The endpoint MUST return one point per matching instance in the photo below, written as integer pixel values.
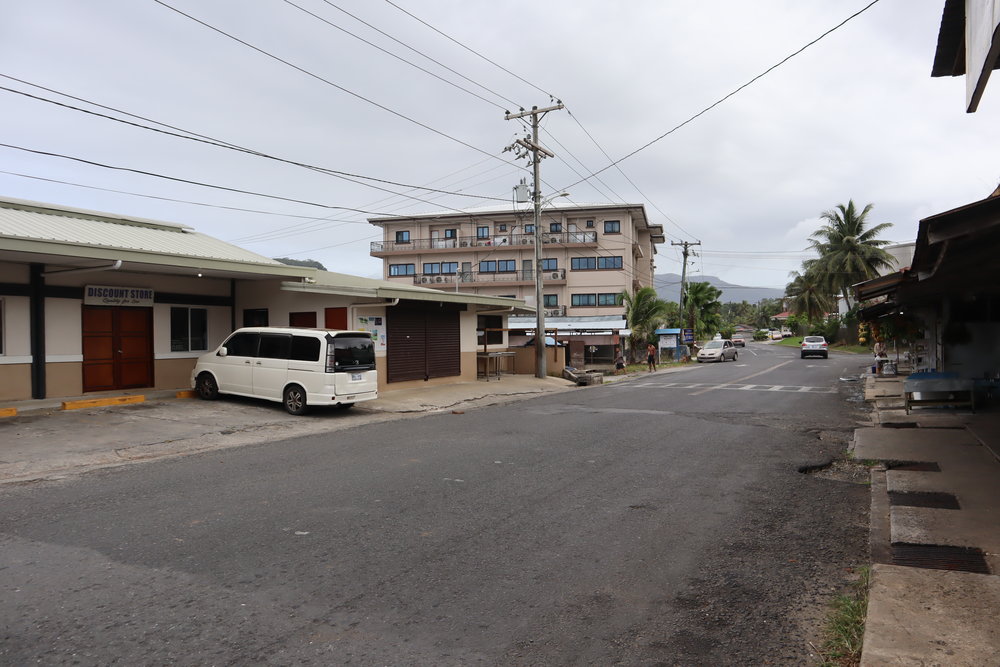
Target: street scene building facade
(591, 253)
(94, 302)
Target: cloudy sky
(401, 94)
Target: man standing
(651, 357)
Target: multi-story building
(591, 253)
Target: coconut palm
(810, 296)
(849, 251)
(644, 311)
(702, 308)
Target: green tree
(849, 250)
(644, 311)
(810, 296)
(702, 310)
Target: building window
(506, 266)
(555, 227)
(583, 263)
(188, 329)
(612, 227)
(482, 232)
(609, 262)
(402, 269)
(255, 317)
(583, 300)
(450, 233)
(550, 300)
(432, 268)
(485, 322)
(501, 228)
(449, 267)
(550, 264)
(402, 237)
(488, 266)
(609, 299)
(529, 229)
(590, 224)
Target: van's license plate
(355, 377)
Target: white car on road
(718, 350)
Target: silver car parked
(718, 350)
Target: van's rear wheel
(295, 400)
(207, 387)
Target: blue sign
(688, 336)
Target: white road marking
(740, 380)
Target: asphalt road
(662, 520)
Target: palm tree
(848, 252)
(702, 308)
(644, 310)
(810, 296)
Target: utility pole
(530, 145)
(684, 268)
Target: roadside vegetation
(844, 631)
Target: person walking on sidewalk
(651, 357)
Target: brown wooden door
(336, 318)
(117, 348)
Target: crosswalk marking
(738, 387)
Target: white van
(298, 367)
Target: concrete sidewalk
(935, 505)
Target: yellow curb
(185, 393)
(102, 402)
(8, 412)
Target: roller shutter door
(422, 343)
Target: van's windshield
(352, 353)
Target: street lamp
(540, 362)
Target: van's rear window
(353, 353)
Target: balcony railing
(472, 242)
(465, 277)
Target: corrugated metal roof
(43, 223)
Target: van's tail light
(331, 359)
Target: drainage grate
(916, 466)
(932, 499)
(936, 557)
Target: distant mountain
(668, 286)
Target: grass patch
(845, 627)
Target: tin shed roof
(33, 227)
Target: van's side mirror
(222, 352)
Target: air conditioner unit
(556, 276)
(439, 279)
(424, 279)
(525, 241)
(465, 244)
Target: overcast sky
(856, 115)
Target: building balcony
(467, 243)
(451, 280)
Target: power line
(420, 53)
(204, 139)
(470, 49)
(179, 201)
(734, 92)
(187, 181)
(389, 53)
(331, 83)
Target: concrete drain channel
(939, 557)
(931, 499)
